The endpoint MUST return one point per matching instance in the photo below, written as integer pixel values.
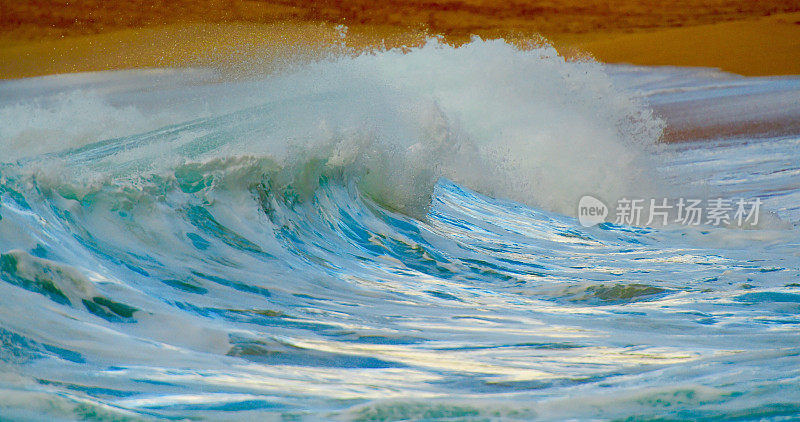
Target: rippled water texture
(389, 237)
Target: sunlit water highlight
(386, 237)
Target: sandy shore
(762, 46)
(177, 45)
(40, 37)
(751, 47)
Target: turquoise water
(388, 237)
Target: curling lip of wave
(506, 122)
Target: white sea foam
(525, 125)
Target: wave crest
(525, 125)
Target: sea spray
(521, 124)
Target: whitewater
(393, 235)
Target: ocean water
(393, 236)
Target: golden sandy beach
(48, 36)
